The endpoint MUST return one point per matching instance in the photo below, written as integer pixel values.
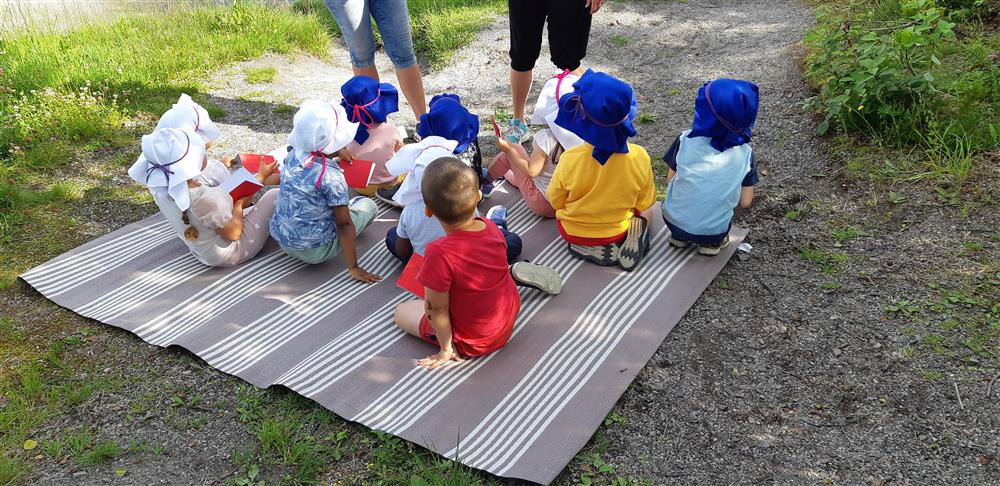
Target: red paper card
(358, 172)
(241, 184)
(252, 162)
(408, 279)
(496, 128)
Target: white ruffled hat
(547, 108)
(190, 115)
(170, 157)
(412, 159)
(320, 126)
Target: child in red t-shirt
(471, 295)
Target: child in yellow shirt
(601, 189)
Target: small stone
(837, 352)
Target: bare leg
(408, 316)
(520, 85)
(412, 84)
(370, 71)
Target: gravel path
(770, 378)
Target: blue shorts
(703, 240)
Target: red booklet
(496, 128)
(241, 183)
(408, 280)
(252, 162)
(358, 172)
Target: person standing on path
(393, 21)
(569, 31)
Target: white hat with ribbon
(170, 157)
(192, 116)
(411, 160)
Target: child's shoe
(487, 186)
(517, 132)
(498, 214)
(712, 250)
(678, 243)
(636, 244)
(537, 277)
(605, 255)
(385, 195)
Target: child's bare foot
(228, 162)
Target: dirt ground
(792, 368)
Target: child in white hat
(191, 116)
(532, 174)
(219, 232)
(315, 219)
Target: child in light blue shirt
(711, 167)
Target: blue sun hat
(447, 118)
(600, 111)
(368, 102)
(725, 111)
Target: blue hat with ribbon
(368, 102)
(600, 111)
(447, 118)
(725, 111)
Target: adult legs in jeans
(534, 198)
(393, 20)
(256, 223)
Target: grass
(259, 75)
(439, 27)
(939, 136)
(620, 40)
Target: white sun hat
(190, 115)
(411, 160)
(547, 108)
(320, 126)
(170, 157)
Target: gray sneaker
(385, 195)
(636, 244)
(605, 256)
(712, 250)
(537, 277)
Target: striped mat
(522, 412)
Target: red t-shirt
(471, 266)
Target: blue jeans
(703, 240)
(354, 17)
(513, 243)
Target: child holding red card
(315, 219)
(219, 232)
(471, 300)
(369, 103)
(532, 174)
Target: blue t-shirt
(415, 226)
(707, 185)
(303, 218)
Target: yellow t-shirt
(597, 201)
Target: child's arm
(347, 234)
(532, 166)
(233, 230)
(556, 193)
(749, 181)
(436, 308)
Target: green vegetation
(918, 78)
(259, 75)
(620, 40)
(439, 27)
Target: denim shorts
(354, 17)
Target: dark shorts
(569, 31)
(704, 240)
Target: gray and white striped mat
(522, 412)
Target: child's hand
(503, 145)
(266, 170)
(440, 359)
(345, 155)
(244, 202)
(228, 162)
(362, 275)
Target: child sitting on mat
(531, 175)
(602, 190)
(416, 228)
(314, 219)
(368, 103)
(219, 232)
(471, 298)
(712, 168)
